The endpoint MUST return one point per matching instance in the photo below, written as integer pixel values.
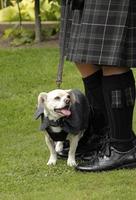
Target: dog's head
(55, 104)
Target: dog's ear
(41, 104)
(72, 96)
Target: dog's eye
(57, 98)
(68, 96)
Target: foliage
(18, 36)
(10, 13)
(24, 175)
(49, 32)
(50, 10)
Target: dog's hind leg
(74, 139)
(53, 155)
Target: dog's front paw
(71, 162)
(52, 161)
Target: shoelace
(104, 148)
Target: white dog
(64, 115)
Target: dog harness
(46, 125)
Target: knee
(112, 70)
(87, 69)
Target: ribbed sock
(119, 94)
(94, 93)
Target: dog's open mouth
(64, 111)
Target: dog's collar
(46, 122)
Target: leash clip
(58, 83)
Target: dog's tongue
(66, 112)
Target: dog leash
(62, 49)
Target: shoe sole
(78, 157)
(128, 166)
(124, 166)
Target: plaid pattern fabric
(103, 33)
(119, 98)
(116, 97)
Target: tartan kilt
(103, 33)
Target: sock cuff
(119, 80)
(93, 80)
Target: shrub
(9, 14)
(50, 10)
(18, 36)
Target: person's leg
(87, 69)
(108, 71)
(92, 80)
(119, 95)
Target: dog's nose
(67, 100)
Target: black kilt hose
(102, 33)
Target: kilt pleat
(103, 33)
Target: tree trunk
(19, 13)
(38, 35)
(1, 4)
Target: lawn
(24, 73)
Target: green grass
(24, 73)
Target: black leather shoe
(64, 153)
(111, 159)
(81, 150)
(87, 146)
(84, 147)
(91, 154)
